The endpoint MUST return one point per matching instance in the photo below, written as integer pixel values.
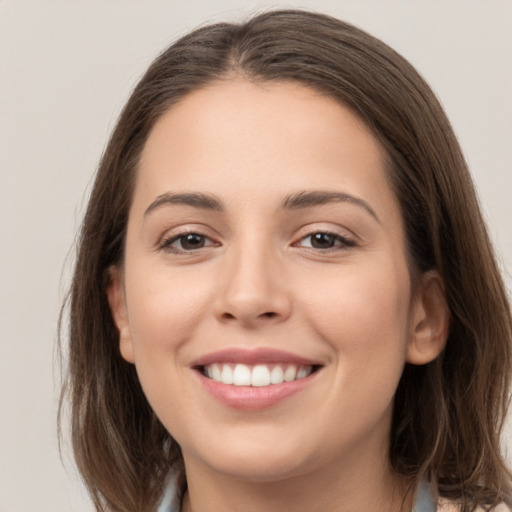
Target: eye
(324, 240)
(186, 242)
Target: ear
(430, 320)
(116, 300)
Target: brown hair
(448, 414)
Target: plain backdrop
(67, 67)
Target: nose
(253, 289)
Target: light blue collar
(170, 501)
(423, 501)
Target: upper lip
(252, 357)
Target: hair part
(448, 414)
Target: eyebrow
(308, 199)
(195, 199)
(298, 201)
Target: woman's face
(266, 246)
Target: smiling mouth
(257, 375)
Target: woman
(285, 297)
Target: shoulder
(449, 506)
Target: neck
(357, 484)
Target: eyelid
(173, 235)
(329, 228)
(176, 238)
(344, 241)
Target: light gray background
(66, 68)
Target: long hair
(448, 414)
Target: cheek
(364, 313)
(164, 308)
(363, 316)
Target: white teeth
(277, 375)
(290, 373)
(216, 372)
(241, 375)
(226, 376)
(302, 372)
(259, 375)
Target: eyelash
(340, 243)
(344, 243)
(166, 244)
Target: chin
(257, 459)
(261, 469)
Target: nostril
(269, 314)
(228, 316)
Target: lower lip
(251, 398)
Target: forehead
(239, 103)
(262, 137)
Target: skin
(258, 281)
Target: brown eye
(187, 242)
(324, 241)
(192, 241)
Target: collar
(424, 502)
